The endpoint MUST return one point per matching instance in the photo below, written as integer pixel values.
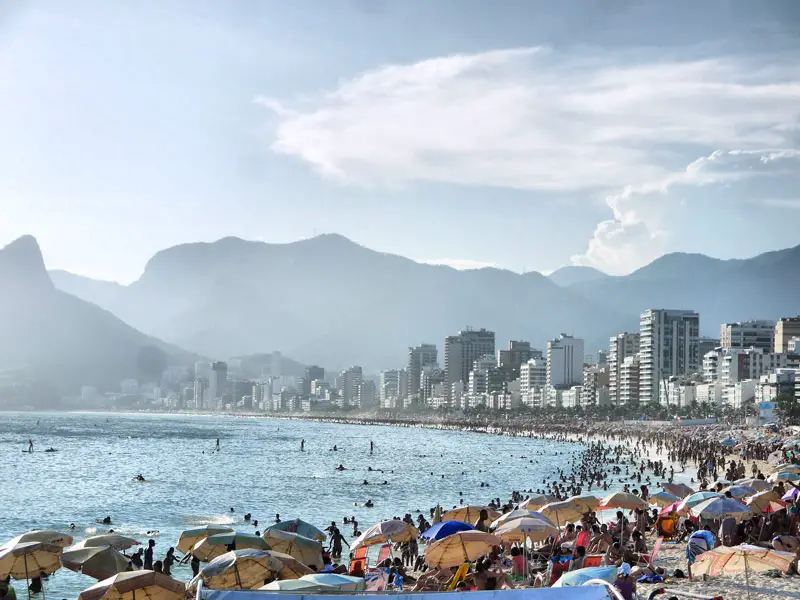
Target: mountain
(329, 301)
(53, 343)
(766, 286)
(96, 291)
(567, 276)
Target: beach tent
(248, 569)
(146, 585)
(100, 562)
(581, 576)
(190, 537)
(444, 529)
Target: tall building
(200, 393)
(485, 376)
(460, 353)
(736, 364)
(602, 357)
(668, 346)
(629, 380)
(786, 329)
(348, 383)
(621, 347)
(532, 375)
(564, 361)
(595, 385)
(419, 357)
(217, 380)
(314, 372)
(513, 357)
(392, 385)
(431, 377)
(748, 334)
(366, 395)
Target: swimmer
(340, 468)
(140, 477)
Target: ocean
(259, 469)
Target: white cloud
(644, 215)
(462, 264)
(531, 119)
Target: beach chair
(650, 559)
(593, 560)
(582, 539)
(384, 552)
(460, 575)
(358, 566)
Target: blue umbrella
(445, 528)
(729, 442)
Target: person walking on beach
(148, 555)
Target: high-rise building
(532, 376)
(314, 372)
(393, 385)
(621, 347)
(629, 380)
(419, 357)
(202, 368)
(736, 364)
(348, 385)
(668, 346)
(513, 357)
(748, 334)
(201, 393)
(595, 385)
(367, 396)
(431, 377)
(460, 353)
(564, 362)
(217, 380)
(602, 357)
(786, 329)
(485, 376)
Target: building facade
(564, 362)
(419, 357)
(668, 346)
(748, 334)
(786, 329)
(621, 347)
(460, 353)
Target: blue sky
(523, 134)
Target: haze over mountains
(54, 342)
(329, 301)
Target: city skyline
(529, 138)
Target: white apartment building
(419, 357)
(737, 394)
(393, 384)
(595, 385)
(669, 346)
(572, 397)
(678, 392)
(621, 347)
(748, 334)
(460, 353)
(710, 393)
(564, 362)
(629, 381)
(533, 374)
(711, 365)
(431, 376)
(348, 384)
(751, 363)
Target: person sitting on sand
(786, 543)
(601, 540)
(579, 559)
(613, 557)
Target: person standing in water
(217, 448)
(371, 446)
(30, 445)
(302, 445)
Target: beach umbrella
(27, 560)
(696, 498)
(739, 491)
(216, 545)
(470, 514)
(562, 512)
(537, 501)
(519, 514)
(100, 562)
(190, 537)
(717, 509)
(301, 527)
(343, 583)
(734, 560)
(663, 499)
(788, 467)
(760, 502)
(729, 442)
(581, 576)
(679, 489)
(393, 530)
(306, 550)
(144, 585)
(118, 542)
(249, 569)
(297, 585)
(791, 495)
(444, 529)
(783, 476)
(45, 536)
(526, 528)
(670, 508)
(585, 502)
(459, 548)
(622, 500)
(758, 485)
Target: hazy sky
(520, 133)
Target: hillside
(567, 276)
(57, 342)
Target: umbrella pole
(236, 572)
(746, 575)
(27, 583)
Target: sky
(522, 134)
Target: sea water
(259, 469)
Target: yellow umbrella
(45, 536)
(526, 528)
(622, 500)
(306, 550)
(537, 501)
(562, 512)
(190, 537)
(144, 585)
(461, 547)
(100, 562)
(217, 545)
(380, 533)
(118, 542)
(735, 560)
(25, 560)
(470, 514)
(761, 501)
(249, 569)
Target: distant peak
(22, 265)
(572, 274)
